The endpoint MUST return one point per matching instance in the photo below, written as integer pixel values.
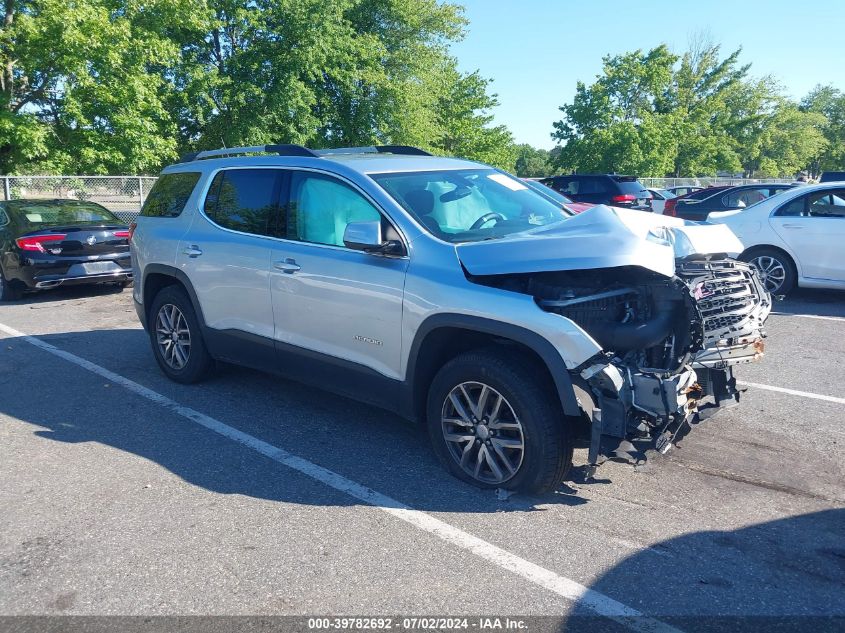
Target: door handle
(288, 266)
(192, 251)
(793, 226)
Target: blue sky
(536, 50)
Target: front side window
(322, 206)
(470, 204)
(169, 195)
(246, 200)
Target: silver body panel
(368, 309)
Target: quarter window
(322, 206)
(246, 200)
(170, 194)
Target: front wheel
(494, 422)
(176, 338)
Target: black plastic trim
(181, 277)
(407, 150)
(541, 346)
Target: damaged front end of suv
(671, 312)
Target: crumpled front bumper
(634, 411)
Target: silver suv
(452, 294)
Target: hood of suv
(600, 237)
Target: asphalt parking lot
(125, 494)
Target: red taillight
(669, 207)
(125, 234)
(625, 197)
(131, 230)
(36, 242)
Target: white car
(659, 198)
(794, 237)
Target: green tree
(80, 91)
(616, 123)
(830, 103)
(116, 86)
(657, 114)
(532, 162)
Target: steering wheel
(484, 219)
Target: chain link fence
(122, 195)
(706, 181)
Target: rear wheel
(176, 338)
(8, 290)
(774, 268)
(494, 422)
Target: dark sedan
(48, 243)
(728, 199)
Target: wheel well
(748, 253)
(445, 343)
(153, 284)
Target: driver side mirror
(367, 237)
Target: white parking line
(793, 392)
(564, 587)
(809, 316)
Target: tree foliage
(829, 102)
(123, 86)
(532, 162)
(655, 113)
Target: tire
(181, 363)
(128, 283)
(775, 268)
(526, 401)
(8, 290)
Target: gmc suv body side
(450, 293)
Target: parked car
(659, 198)
(731, 198)
(684, 190)
(832, 176)
(50, 243)
(558, 198)
(794, 238)
(701, 194)
(450, 293)
(609, 189)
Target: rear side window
(170, 194)
(246, 200)
(631, 186)
(745, 197)
(4, 219)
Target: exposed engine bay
(669, 345)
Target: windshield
(469, 205)
(54, 213)
(548, 192)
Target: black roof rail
(280, 150)
(406, 150)
(299, 150)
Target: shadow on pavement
(783, 575)
(813, 302)
(365, 444)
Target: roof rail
(406, 150)
(281, 150)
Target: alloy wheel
(482, 432)
(772, 272)
(173, 336)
